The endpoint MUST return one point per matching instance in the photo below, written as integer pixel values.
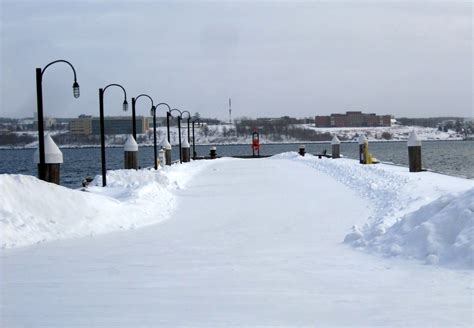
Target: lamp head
(75, 90)
(152, 110)
(125, 105)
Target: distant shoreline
(230, 144)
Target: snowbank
(33, 211)
(425, 216)
(440, 232)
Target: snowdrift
(424, 216)
(33, 211)
(440, 232)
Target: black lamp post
(189, 119)
(196, 120)
(168, 115)
(134, 121)
(102, 126)
(153, 113)
(134, 100)
(179, 130)
(39, 98)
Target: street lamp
(134, 121)
(102, 126)
(179, 130)
(196, 120)
(189, 118)
(39, 98)
(153, 113)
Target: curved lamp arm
(164, 104)
(75, 85)
(145, 95)
(61, 61)
(189, 114)
(152, 109)
(175, 109)
(125, 103)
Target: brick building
(352, 119)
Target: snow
(165, 144)
(255, 242)
(214, 135)
(185, 143)
(441, 232)
(415, 215)
(33, 211)
(413, 140)
(335, 141)
(397, 132)
(52, 154)
(130, 144)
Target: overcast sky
(406, 58)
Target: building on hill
(353, 119)
(87, 125)
(81, 125)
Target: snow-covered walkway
(251, 243)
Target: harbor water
(448, 157)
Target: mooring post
(53, 158)
(302, 150)
(161, 158)
(213, 152)
(362, 144)
(167, 147)
(130, 151)
(186, 150)
(414, 152)
(336, 147)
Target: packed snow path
(251, 243)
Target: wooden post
(130, 153)
(167, 147)
(213, 152)
(185, 149)
(53, 158)
(414, 152)
(336, 147)
(302, 150)
(362, 145)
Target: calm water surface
(450, 157)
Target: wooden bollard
(53, 158)
(167, 147)
(362, 145)
(161, 157)
(213, 152)
(130, 151)
(336, 147)
(414, 152)
(302, 150)
(185, 151)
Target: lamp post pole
(194, 139)
(134, 126)
(134, 118)
(154, 127)
(134, 122)
(39, 99)
(102, 126)
(189, 118)
(179, 116)
(168, 115)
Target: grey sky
(407, 58)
